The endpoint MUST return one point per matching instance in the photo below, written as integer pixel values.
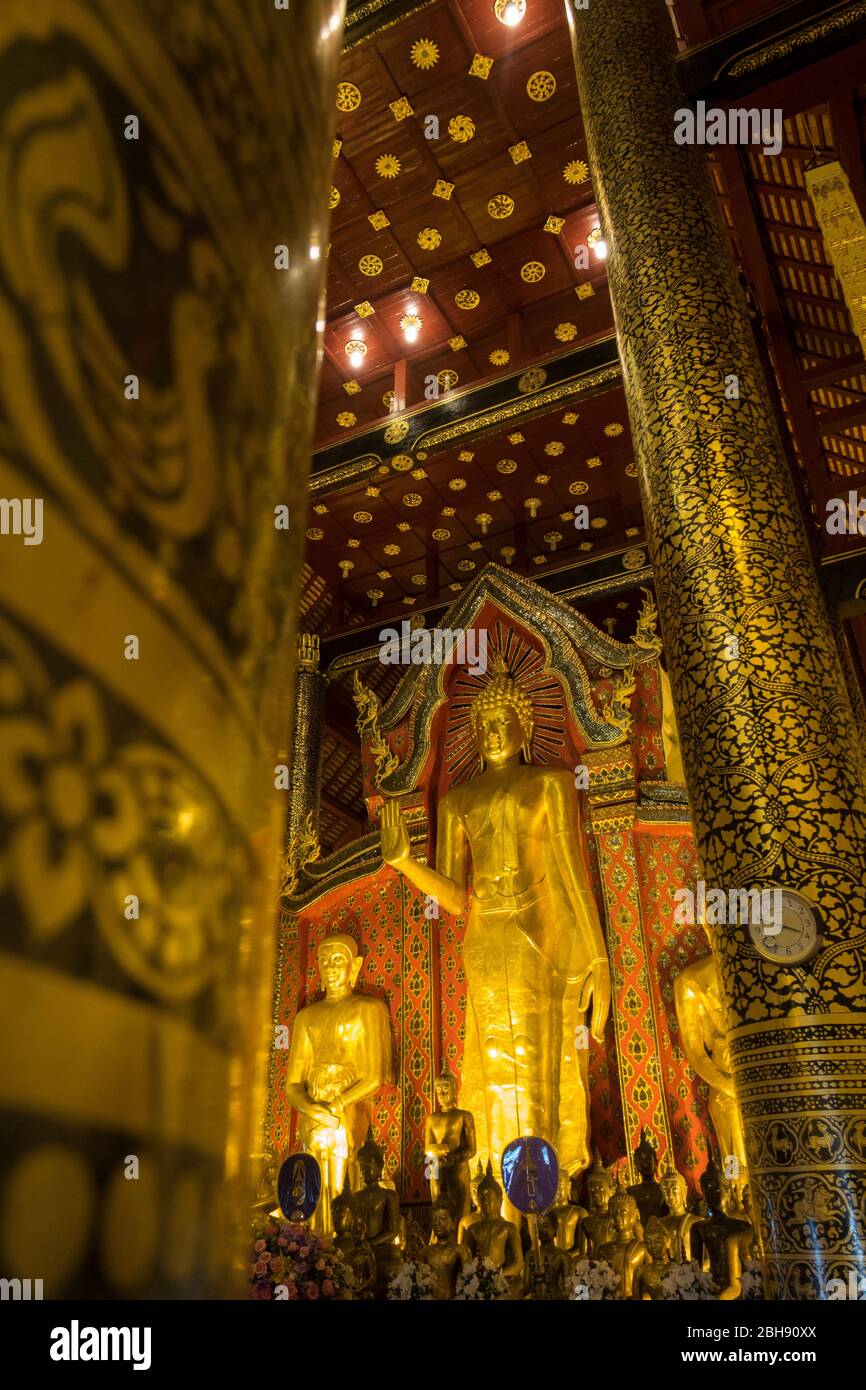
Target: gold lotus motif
(554, 448)
(633, 559)
(424, 53)
(396, 431)
(429, 238)
(577, 489)
(499, 357)
(370, 265)
(440, 534)
(613, 429)
(532, 272)
(388, 399)
(506, 466)
(565, 332)
(576, 171)
(346, 418)
(461, 129)
(531, 380)
(388, 166)
(501, 205)
(412, 499)
(348, 96)
(402, 463)
(541, 86)
(467, 299)
(457, 484)
(362, 517)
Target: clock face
(794, 938)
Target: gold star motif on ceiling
(364, 309)
(388, 166)
(480, 66)
(613, 429)
(351, 388)
(576, 171)
(594, 462)
(467, 299)
(499, 357)
(424, 53)
(419, 285)
(370, 265)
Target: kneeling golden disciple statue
(534, 953)
(340, 1057)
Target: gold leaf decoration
(346, 419)
(541, 86)
(388, 166)
(370, 265)
(396, 431)
(424, 53)
(402, 462)
(348, 97)
(443, 189)
(501, 205)
(480, 258)
(461, 129)
(565, 332)
(447, 379)
(554, 225)
(499, 357)
(613, 429)
(532, 272)
(519, 152)
(429, 238)
(467, 299)
(480, 66)
(334, 199)
(576, 171)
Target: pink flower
(262, 1267)
(311, 1290)
(327, 1287)
(328, 1271)
(282, 1240)
(260, 1245)
(320, 1264)
(304, 1252)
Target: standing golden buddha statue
(449, 1144)
(534, 953)
(339, 1058)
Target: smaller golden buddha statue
(447, 1257)
(719, 1240)
(626, 1252)
(678, 1222)
(378, 1208)
(647, 1193)
(594, 1229)
(648, 1276)
(474, 1213)
(547, 1267)
(565, 1214)
(449, 1144)
(350, 1239)
(491, 1236)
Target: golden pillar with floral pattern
(164, 180)
(771, 757)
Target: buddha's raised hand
(393, 834)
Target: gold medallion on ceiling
(392, 549)
(461, 129)
(576, 171)
(480, 258)
(370, 265)
(457, 484)
(541, 86)
(334, 198)
(440, 534)
(420, 580)
(388, 400)
(424, 53)
(429, 238)
(346, 419)
(401, 462)
(412, 499)
(480, 66)
(356, 347)
(466, 565)
(388, 166)
(565, 332)
(631, 470)
(613, 429)
(500, 206)
(506, 466)
(499, 357)
(579, 488)
(532, 272)
(554, 225)
(314, 533)
(348, 97)
(447, 379)
(532, 380)
(362, 517)
(594, 462)
(467, 299)
(584, 291)
(634, 559)
(554, 448)
(397, 430)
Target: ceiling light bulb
(511, 14)
(356, 359)
(411, 333)
(601, 249)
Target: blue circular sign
(299, 1186)
(530, 1174)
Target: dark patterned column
(162, 161)
(770, 754)
(306, 761)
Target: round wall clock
(793, 940)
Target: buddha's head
(489, 1194)
(675, 1190)
(442, 1219)
(563, 1188)
(445, 1087)
(546, 1228)
(599, 1185)
(645, 1157)
(625, 1213)
(339, 963)
(341, 1211)
(501, 718)
(371, 1161)
(657, 1240)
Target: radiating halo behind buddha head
(501, 717)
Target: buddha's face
(624, 1219)
(655, 1241)
(598, 1193)
(498, 733)
(443, 1222)
(342, 1214)
(335, 965)
(371, 1170)
(712, 1190)
(674, 1194)
(490, 1202)
(446, 1092)
(645, 1161)
(546, 1229)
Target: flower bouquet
(687, 1281)
(593, 1280)
(412, 1281)
(481, 1282)
(292, 1262)
(751, 1281)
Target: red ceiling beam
(824, 374)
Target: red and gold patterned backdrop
(640, 849)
